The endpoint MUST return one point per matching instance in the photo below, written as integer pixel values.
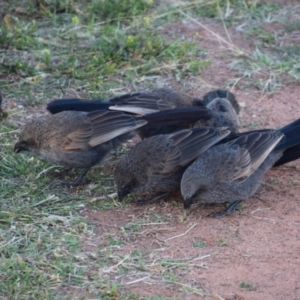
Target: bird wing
(159, 156)
(199, 140)
(235, 164)
(170, 99)
(144, 103)
(136, 103)
(261, 144)
(244, 155)
(110, 124)
(98, 127)
(78, 139)
(181, 148)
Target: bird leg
(211, 205)
(61, 173)
(232, 206)
(156, 198)
(77, 180)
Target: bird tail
(177, 116)
(167, 121)
(60, 105)
(290, 144)
(223, 94)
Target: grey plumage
(223, 114)
(222, 94)
(221, 103)
(139, 103)
(169, 121)
(76, 139)
(156, 100)
(154, 166)
(231, 171)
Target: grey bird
(232, 171)
(76, 139)
(154, 167)
(222, 105)
(142, 103)
(222, 94)
(139, 103)
(3, 114)
(172, 120)
(158, 99)
(223, 114)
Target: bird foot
(218, 214)
(152, 200)
(59, 174)
(227, 211)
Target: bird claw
(67, 185)
(59, 174)
(218, 214)
(227, 211)
(152, 200)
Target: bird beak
(122, 194)
(19, 146)
(187, 203)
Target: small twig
(137, 280)
(11, 242)
(195, 290)
(216, 296)
(119, 263)
(43, 201)
(231, 45)
(224, 25)
(146, 224)
(261, 218)
(259, 209)
(44, 171)
(179, 235)
(201, 257)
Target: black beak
(122, 194)
(187, 203)
(19, 146)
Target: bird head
(21, 146)
(31, 136)
(187, 203)
(191, 188)
(125, 178)
(123, 192)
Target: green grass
(91, 47)
(51, 48)
(246, 286)
(274, 61)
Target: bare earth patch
(252, 254)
